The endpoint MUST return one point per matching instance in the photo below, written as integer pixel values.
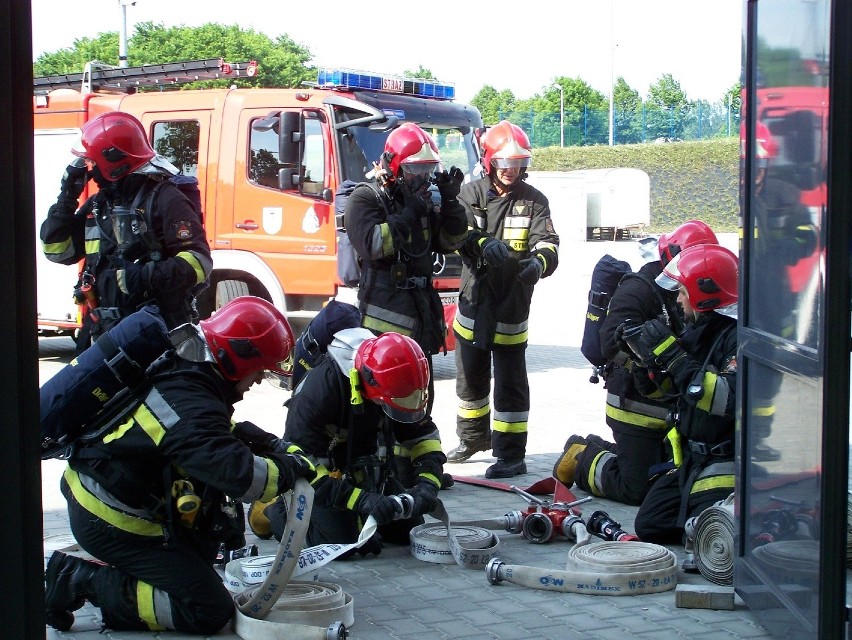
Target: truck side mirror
(289, 137)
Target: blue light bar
(349, 79)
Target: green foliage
(492, 104)
(667, 109)
(282, 62)
(422, 72)
(688, 179)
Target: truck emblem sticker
(310, 223)
(272, 220)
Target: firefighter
(701, 364)
(138, 249)
(783, 236)
(156, 497)
(366, 389)
(636, 409)
(511, 245)
(395, 230)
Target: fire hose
(613, 568)
(710, 537)
(297, 610)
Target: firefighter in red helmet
(178, 446)
(140, 236)
(395, 229)
(700, 364)
(636, 409)
(510, 246)
(368, 390)
(784, 239)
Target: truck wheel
(227, 290)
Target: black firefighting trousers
(149, 587)
(511, 398)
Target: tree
(627, 113)
(282, 62)
(493, 105)
(421, 72)
(585, 116)
(666, 109)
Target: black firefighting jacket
(706, 416)
(637, 299)
(323, 422)
(179, 429)
(177, 260)
(494, 305)
(396, 292)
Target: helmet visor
(281, 374)
(510, 163)
(668, 279)
(419, 175)
(411, 408)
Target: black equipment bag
(606, 275)
(99, 377)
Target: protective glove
(132, 277)
(73, 180)
(256, 438)
(291, 467)
(494, 252)
(425, 496)
(383, 508)
(449, 183)
(530, 270)
(618, 336)
(658, 346)
(806, 240)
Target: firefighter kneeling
(150, 500)
(365, 388)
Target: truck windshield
(360, 146)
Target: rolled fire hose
(603, 568)
(713, 542)
(467, 544)
(306, 610)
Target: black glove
(620, 341)
(291, 467)
(658, 345)
(132, 277)
(806, 240)
(256, 438)
(494, 252)
(425, 496)
(530, 270)
(449, 183)
(383, 508)
(73, 180)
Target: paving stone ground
(398, 596)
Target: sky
(518, 46)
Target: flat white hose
(307, 610)
(602, 568)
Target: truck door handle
(248, 225)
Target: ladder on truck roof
(98, 76)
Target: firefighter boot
(69, 582)
(566, 465)
(504, 468)
(466, 449)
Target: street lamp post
(561, 114)
(122, 33)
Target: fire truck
(268, 163)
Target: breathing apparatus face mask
(416, 178)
